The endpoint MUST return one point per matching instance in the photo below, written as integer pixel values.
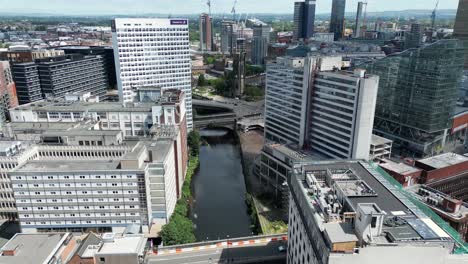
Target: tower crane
(433, 16)
(233, 11)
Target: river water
(219, 208)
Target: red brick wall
(429, 176)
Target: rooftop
(68, 165)
(444, 160)
(400, 168)
(377, 140)
(122, 244)
(32, 248)
(333, 191)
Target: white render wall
(153, 52)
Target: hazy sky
(197, 6)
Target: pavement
(258, 253)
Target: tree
(178, 231)
(201, 80)
(194, 141)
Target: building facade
(206, 32)
(153, 52)
(28, 83)
(461, 26)
(337, 21)
(8, 96)
(107, 54)
(359, 20)
(304, 19)
(229, 37)
(260, 41)
(415, 103)
(312, 104)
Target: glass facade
(418, 90)
(338, 18)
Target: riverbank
(268, 218)
(180, 230)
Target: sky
(81, 7)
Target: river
(219, 208)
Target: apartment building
(348, 212)
(28, 83)
(153, 52)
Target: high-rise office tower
(261, 38)
(228, 37)
(304, 19)
(417, 96)
(461, 26)
(359, 20)
(206, 32)
(153, 52)
(413, 38)
(312, 104)
(338, 18)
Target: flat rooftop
(126, 244)
(324, 186)
(400, 168)
(68, 165)
(444, 160)
(31, 248)
(377, 140)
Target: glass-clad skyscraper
(304, 19)
(417, 95)
(338, 18)
(461, 26)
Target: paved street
(266, 253)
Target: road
(266, 253)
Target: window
(374, 222)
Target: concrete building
(116, 249)
(311, 103)
(38, 248)
(28, 83)
(8, 96)
(25, 54)
(229, 37)
(358, 27)
(337, 21)
(441, 167)
(59, 76)
(206, 32)
(260, 41)
(418, 123)
(107, 54)
(461, 26)
(153, 52)
(304, 19)
(381, 148)
(453, 211)
(348, 212)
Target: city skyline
(83, 7)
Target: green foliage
(220, 86)
(251, 70)
(252, 212)
(194, 36)
(283, 26)
(179, 230)
(194, 142)
(209, 60)
(201, 80)
(253, 91)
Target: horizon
(191, 7)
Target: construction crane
(433, 16)
(208, 3)
(233, 11)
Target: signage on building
(179, 22)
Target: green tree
(194, 141)
(179, 230)
(220, 86)
(201, 80)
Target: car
(282, 249)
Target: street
(261, 253)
